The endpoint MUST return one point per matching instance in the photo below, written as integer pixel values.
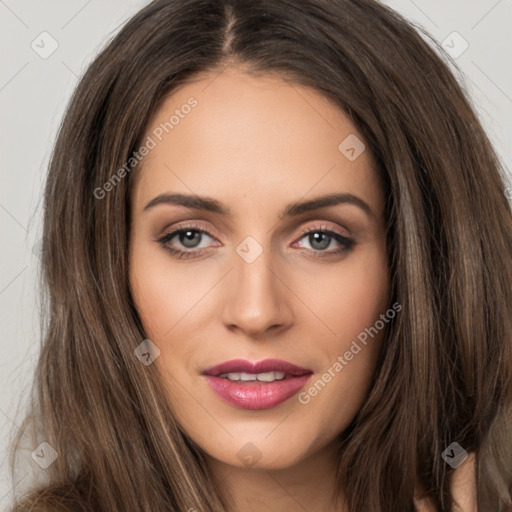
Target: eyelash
(346, 243)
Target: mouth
(260, 385)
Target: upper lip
(264, 366)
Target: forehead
(264, 138)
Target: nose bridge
(256, 299)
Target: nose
(257, 299)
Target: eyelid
(186, 225)
(322, 227)
(193, 225)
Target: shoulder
(463, 489)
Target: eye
(185, 242)
(321, 238)
(189, 241)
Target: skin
(257, 145)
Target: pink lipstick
(260, 385)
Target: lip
(256, 395)
(266, 365)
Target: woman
(277, 252)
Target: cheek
(350, 300)
(349, 297)
(356, 299)
(149, 294)
(163, 293)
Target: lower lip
(256, 395)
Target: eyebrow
(212, 205)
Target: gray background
(34, 92)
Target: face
(238, 260)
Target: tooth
(247, 376)
(266, 377)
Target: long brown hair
(445, 370)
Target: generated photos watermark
(343, 360)
(454, 455)
(149, 144)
